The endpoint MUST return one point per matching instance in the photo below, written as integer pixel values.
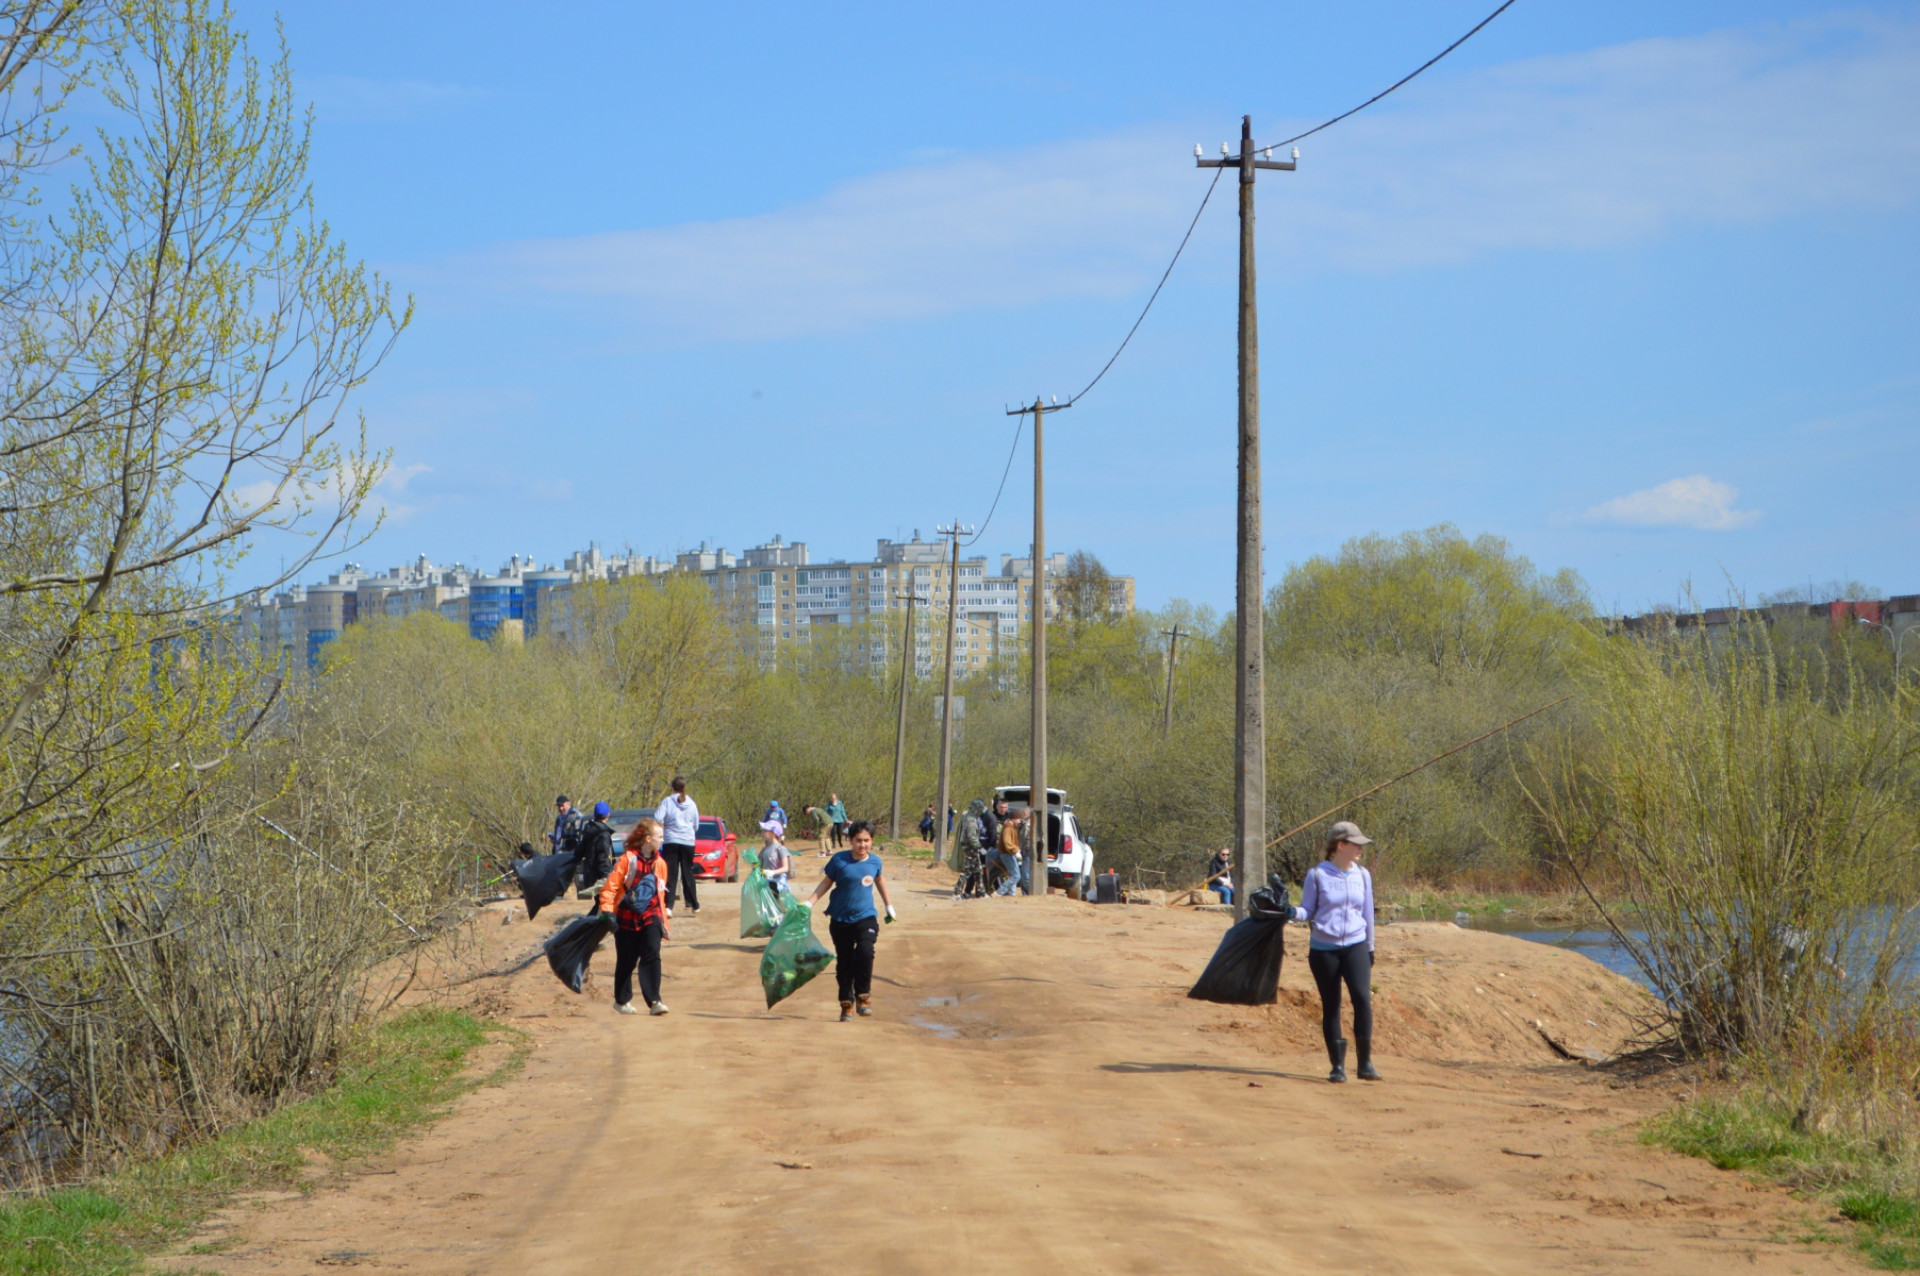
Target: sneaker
(625, 1008)
(864, 1008)
(846, 1012)
(657, 1008)
(693, 911)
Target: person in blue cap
(596, 852)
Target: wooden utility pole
(1037, 791)
(900, 734)
(1250, 673)
(955, 532)
(1173, 653)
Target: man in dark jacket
(596, 850)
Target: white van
(1069, 853)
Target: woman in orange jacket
(637, 934)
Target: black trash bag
(573, 946)
(1245, 970)
(542, 879)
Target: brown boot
(866, 1004)
(846, 1011)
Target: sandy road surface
(1036, 1094)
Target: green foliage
(1431, 596)
(1754, 815)
(404, 1075)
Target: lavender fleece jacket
(1338, 905)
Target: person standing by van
(637, 880)
(680, 824)
(1012, 862)
(1337, 901)
(852, 921)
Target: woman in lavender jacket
(1337, 901)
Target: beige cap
(1348, 831)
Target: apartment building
(774, 590)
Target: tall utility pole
(1250, 672)
(955, 532)
(900, 734)
(1173, 653)
(1037, 793)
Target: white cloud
(1698, 502)
(1568, 152)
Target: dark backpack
(571, 830)
(644, 889)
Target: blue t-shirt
(852, 898)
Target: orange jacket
(613, 893)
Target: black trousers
(636, 949)
(1353, 965)
(853, 955)
(680, 872)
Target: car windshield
(709, 830)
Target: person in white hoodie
(1337, 901)
(680, 818)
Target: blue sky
(1633, 285)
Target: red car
(716, 852)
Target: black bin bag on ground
(542, 879)
(1245, 970)
(569, 950)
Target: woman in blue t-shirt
(852, 921)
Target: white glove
(889, 912)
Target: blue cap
(600, 810)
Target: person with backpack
(565, 835)
(852, 921)
(596, 851)
(634, 894)
(680, 821)
(1337, 901)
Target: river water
(1600, 945)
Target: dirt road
(1036, 1094)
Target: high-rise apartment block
(774, 590)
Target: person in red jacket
(637, 935)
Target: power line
(1168, 272)
(1019, 423)
(1157, 287)
(1402, 80)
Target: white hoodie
(679, 819)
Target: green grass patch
(403, 1075)
(1759, 1138)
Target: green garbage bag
(793, 956)
(761, 907)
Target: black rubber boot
(1363, 1048)
(1337, 1053)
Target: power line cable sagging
(1154, 296)
(1399, 83)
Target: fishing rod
(1360, 797)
